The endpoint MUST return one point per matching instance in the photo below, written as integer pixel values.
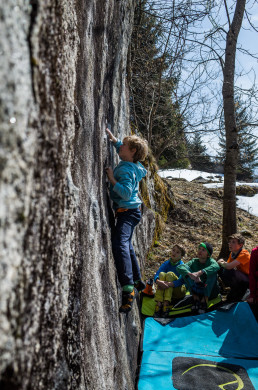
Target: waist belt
(121, 210)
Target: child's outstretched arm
(111, 137)
(116, 142)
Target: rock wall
(63, 74)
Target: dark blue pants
(211, 288)
(237, 280)
(127, 266)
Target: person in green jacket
(200, 275)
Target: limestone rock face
(63, 74)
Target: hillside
(196, 217)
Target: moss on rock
(162, 196)
(157, 195)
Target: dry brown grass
(196, 217)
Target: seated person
(169, 283)
(200, 275)
(253, 277)
(235, 271)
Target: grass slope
(196, 217)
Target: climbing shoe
(195, 307)
(166, 310)
(139, 285)
(127, 302)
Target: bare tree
(153, 74)
(218, 45)
(205, 65)
(232, 148)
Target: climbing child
(235, 271)
(253, 277)
(200, 276)
(169, 283)
(124, 187)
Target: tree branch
(226, 8)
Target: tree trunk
(229, 201)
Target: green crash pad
(182, 307)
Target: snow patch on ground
(246, 203)
(189, 174)
(249, 204)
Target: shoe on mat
(166, 310)
(195, 307)
(158, 311)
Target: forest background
(175, 75)
(186, 84)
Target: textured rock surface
(62, 73)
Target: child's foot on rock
(127, 302)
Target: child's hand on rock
(111, 137)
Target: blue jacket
(169, 266)
(128, 175)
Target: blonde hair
(141, 146)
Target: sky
(247, 65)
(248, 39)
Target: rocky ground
(196, 217)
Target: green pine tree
(197, 152)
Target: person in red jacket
(235, 271)
(253, 277)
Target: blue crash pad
(232, 333)
(168, 370)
